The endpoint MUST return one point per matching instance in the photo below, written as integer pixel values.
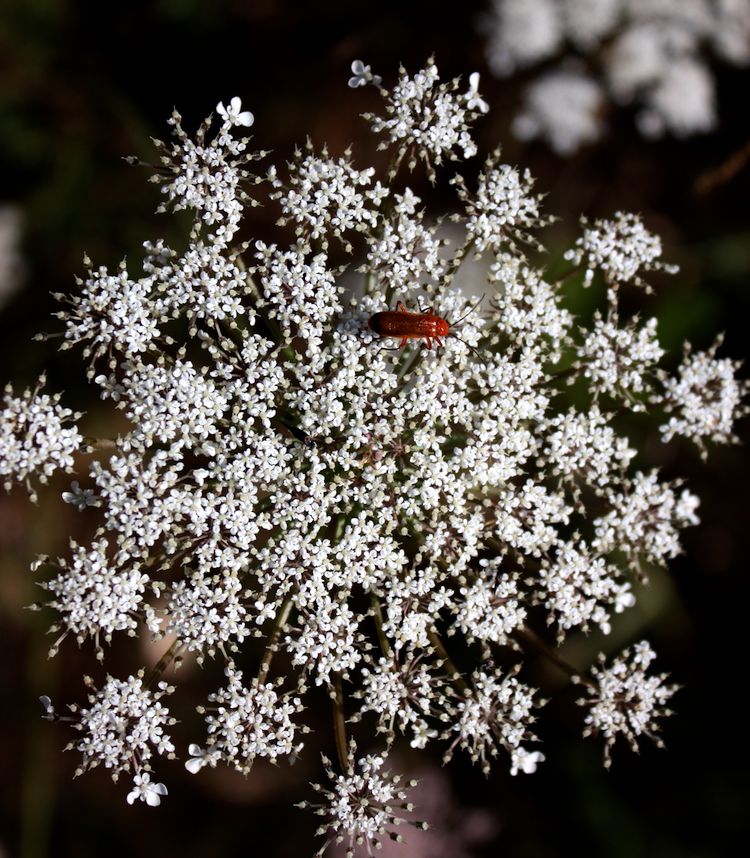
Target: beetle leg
(428, 341)
(401, 307)
(403, 343)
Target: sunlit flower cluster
(297, 501)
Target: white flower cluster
(704, 399)
(649, 53)
(504, 209)
(428, 119)
(362, 805)
(620, 361)
(122, 728)
(405, 250)
(580, 588)
(620, 248)
(291, 481)
(645, 520)
(35, 440)
(96, 595)
(327, 196)
(245, 723)
(210, 178)
(400, 693)
(624, 700)
(495, 712)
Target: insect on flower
(407, 325)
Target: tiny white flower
(80, 498)
(525, 761)
(232, 114)
(144, 790)
(198, 759)
(362, 75)
(474, 100)
(49, 709)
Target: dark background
(82, 84)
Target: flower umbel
(363, 805)
(624, 700)
(325, 509)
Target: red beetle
(406, 325)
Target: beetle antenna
(469, 311)
(476, 352)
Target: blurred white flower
(362, 75)
(80, 498)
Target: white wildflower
(426, 119)
(362, 75)
(620, 361)
(206, 612)
(285, 471)
(620, 248)
(233, 114)
(245, 723)
(585, 447)
(209, 177)
(624, 700)
(504, 208)
(362, 805)
(528, 308)
(495, 712)
(525, 761)
(401, 694)
(705, 399)
(35, 438)
(329, 197)
(123, 728)
(579, 588)
(96, 595)
(645, 520)
(492, 607)
(474, 100)
(146, 791)
(405, 250)
(80, 498)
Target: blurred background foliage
(84, 83)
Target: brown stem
(162, 664)
(377, 614)
(529, 638)
(453, 671)
(339, 724)
(278, 627)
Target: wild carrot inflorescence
(394, 521)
